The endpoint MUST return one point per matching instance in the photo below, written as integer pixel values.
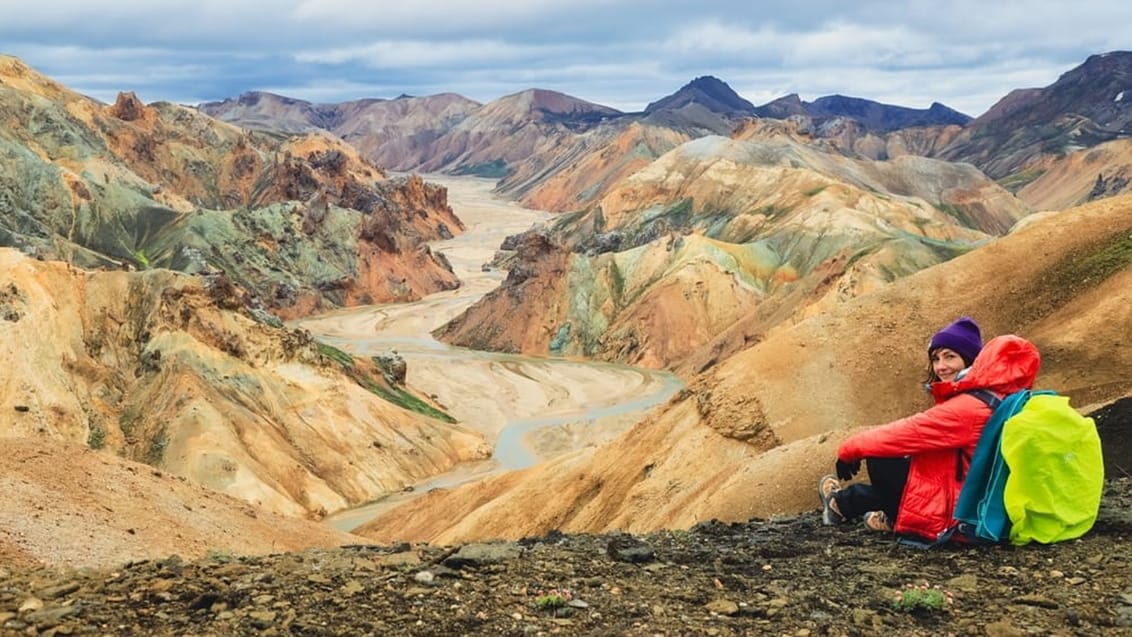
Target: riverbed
(530, 408)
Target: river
(532, 408)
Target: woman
(917, 464)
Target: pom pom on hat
(962, 337)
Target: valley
(534, 408)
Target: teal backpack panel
(980, 511)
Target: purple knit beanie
(962, 337)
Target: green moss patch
(368, 375)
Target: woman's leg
(882, 493)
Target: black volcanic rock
(874, 116)
(707, 91)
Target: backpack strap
(962, 461)
(987, 396)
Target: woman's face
(946, 363)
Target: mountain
(180, 372)
(514, 127)
(1014, 141)
(1086, 106)
(301, 222)
(874, 116)
(1081, 176)
(259, 110)
(395, 134)
(720, 231)
(586, 165)
(708, 91)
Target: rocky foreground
(765, 577)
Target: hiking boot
(828, 486)
(877, 521)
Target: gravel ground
(764, 577)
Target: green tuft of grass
(922, 598)
(1081, 271)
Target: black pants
(886, 486)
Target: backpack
(1037, 473)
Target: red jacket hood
(1006, 364)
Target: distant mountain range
(520, 138)
(874, 116)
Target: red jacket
(941, 440)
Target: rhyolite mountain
(429, 134)
(396, 134)
(180, 372)
(708, 91)
(302, 222)
(1017, 141)
(723, 231)
(704, 104)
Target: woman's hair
(931, 376)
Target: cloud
(620, 53)
(410, 54)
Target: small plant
(156, 452)
(96, 437)
(921, 597)
(552, 599)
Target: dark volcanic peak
(887, 116)
(709, 92)
(1100, 89)
(873, 115)
(783, 107)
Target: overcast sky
(619, 53)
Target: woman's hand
(846, 470)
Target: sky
(618, 53)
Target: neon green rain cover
(1056, 471)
